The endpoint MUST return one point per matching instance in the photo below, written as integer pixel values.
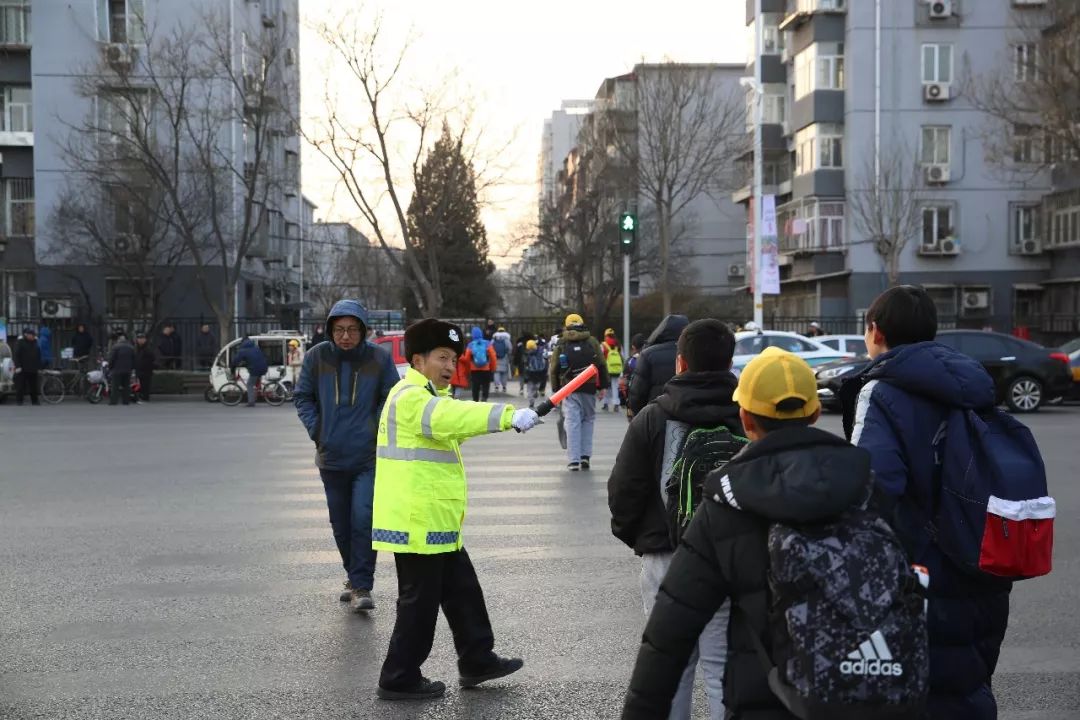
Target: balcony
(800, 11)
(15, 25)
(811, 226)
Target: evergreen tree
(444, 221)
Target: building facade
(110, 39)
(17, 283)
(852, 103)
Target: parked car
(752, 343)
(853, 345)
(1074, 366)
(1026, 374)
(394, 342)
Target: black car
(1025, 374)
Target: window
(129, 297)
(983, 346)
(794, 345)
(819, 146)
(121, 116)
(129, 215)
(15, 23)
(1063, 215)
(945, 301)
(819, 67)
(1026, 230)
(774, 109)
(16, 110)
(937, 63)
(935, 145)
(750, 345)
(853, 345)
(1059, 149)
(17, 206)
(121, 21)
(772, 40)
(937, 225)
(833, 344)
(1025, 62)
(1024, 145)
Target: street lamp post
(758, 89)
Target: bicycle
(98, 382)
(234, 392)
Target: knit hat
(778, 384)
(426, 335)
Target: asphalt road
(174, 560)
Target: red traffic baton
(548, 405)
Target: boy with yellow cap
(577, 349)
(790, 476)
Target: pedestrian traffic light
(627, 232)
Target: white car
(750, 344)
(852, 345)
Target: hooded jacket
(906, 393)
(556, 371)
(502, 337)
(250, 356)
(796, 475)
(340, 395)
(470, 359)
(45, 343)
(638, 515)
(656, 363)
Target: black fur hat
(423, 336)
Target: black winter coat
(27, 355)
(145, 359)
(122, 358)
(206, 346)
(81, 344)
(638, 516)
(656, 364)
(170, 346)
(795, 475)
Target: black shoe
(346, 594)
(573, 467)
(501, 668)
(584, 462)
(423, 690)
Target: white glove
(525, 420)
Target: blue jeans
(711, 650)
(580, 412)
(350, 496)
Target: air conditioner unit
(950, 246)
(120, 56)
(736, 270)
(124, 245)
(1029, 3)
(56, 308)
(975, 300)
(936, 91)
(941, 9)
(937, 174)
(1028, 247)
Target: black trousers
(26, 383)
(481, 385)
(120, 388)
(146, 383)
(426, 582)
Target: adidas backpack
(690, 454)
(847, 621)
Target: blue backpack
(480, 352)
(535, 362)
(992, 515)
(502, 347)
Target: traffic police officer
(418, 514)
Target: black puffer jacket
(701, 399)
(656, 364)
(793, 475)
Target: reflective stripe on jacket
(419, 475)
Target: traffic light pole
(626, 301)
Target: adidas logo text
(872, 658)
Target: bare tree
(689, 130)
(180, 114)
(886, 206)
(106, 227)
(336, 268)
(1032, 97)
(379, 159)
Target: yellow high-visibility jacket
(419, 476)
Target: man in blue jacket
(895, 410)
(251, 357)
(343, 385)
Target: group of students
(814, 576)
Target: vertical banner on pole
(770, 247)
(751, 256)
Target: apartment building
(16, 163)
(115, 38)
(851, 96)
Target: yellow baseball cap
(609, 331)
(778, 377)
(573, 319)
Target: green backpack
(690, 454)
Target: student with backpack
(614, 359)
(535, 369)
(656, 483)
(504, 348)
(969, 489)
(576, 350)
(827, 617)
(480, 358)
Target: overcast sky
(520, 60)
